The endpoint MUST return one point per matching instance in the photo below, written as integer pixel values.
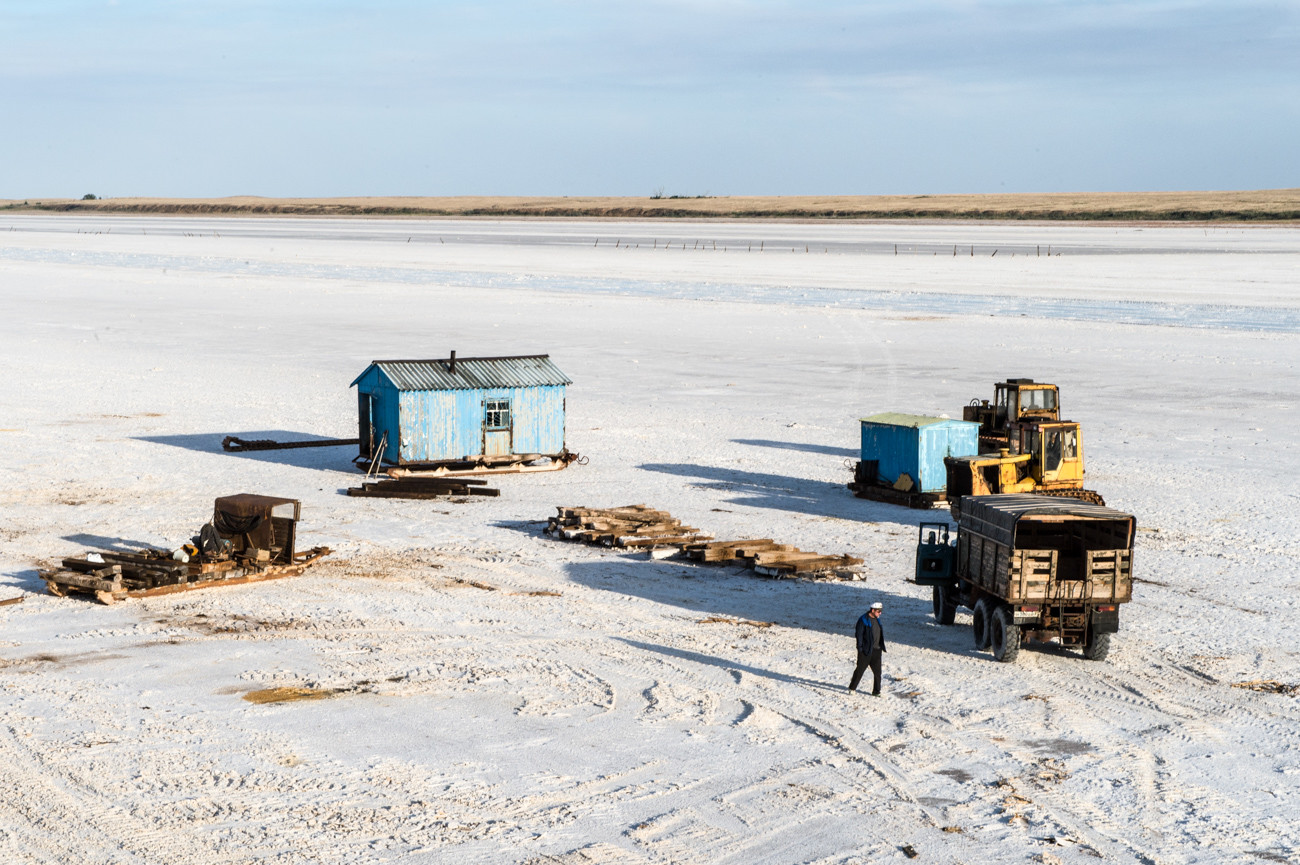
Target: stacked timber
(770, 559)
(639, 526)
(416, 487)
(112, 572)
(113, 576)
(628, 526)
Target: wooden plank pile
(111, 577)
(638, 526)
(416, 487)
(629, 526)
(769, 559)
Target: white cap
(877, 606)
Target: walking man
(871, 643)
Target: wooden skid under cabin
(414, 487)
(892, 495)
(155, 572)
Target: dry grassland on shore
(1272, 205)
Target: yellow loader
(1043, 457)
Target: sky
(713, 97)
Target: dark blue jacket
(863, 632)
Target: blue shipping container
(915, 445)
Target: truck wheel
(1005, 635)
(980, 622)
(1097, 646)
(944, 600)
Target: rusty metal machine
(1014, 400)
(250, 538)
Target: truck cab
(934, 554)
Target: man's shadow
(831, 607)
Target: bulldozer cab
(1014, 400)
(1022, 399)
(1056, 450)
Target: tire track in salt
(50, 809)
(905, 784)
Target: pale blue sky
(719, 97)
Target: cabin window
(1029, 441)
(1052, 450)
(1070, 444)
(1000, 412)
(496, 414)
(1059, 445)
(1038, 400)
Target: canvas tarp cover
(995, 517)
(249, 515)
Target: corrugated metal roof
(472, 373)
(893, 418)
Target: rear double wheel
(1004, 635)
(944, 600)
(1097, 646)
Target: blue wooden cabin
(916, 445)
(474, 409)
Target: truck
(1031, 568)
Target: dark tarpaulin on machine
(249, 515)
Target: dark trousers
(867, 659)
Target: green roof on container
(893, 418)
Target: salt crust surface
(610, 724)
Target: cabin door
(365, 426)
(498, 427)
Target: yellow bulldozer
(1014, 401)
(1038, 456)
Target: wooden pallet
(731, 551)
(770, 559)
(154, 572)
(639, 526)
(796, 562)
(633, 526)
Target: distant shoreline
(1266, 206)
